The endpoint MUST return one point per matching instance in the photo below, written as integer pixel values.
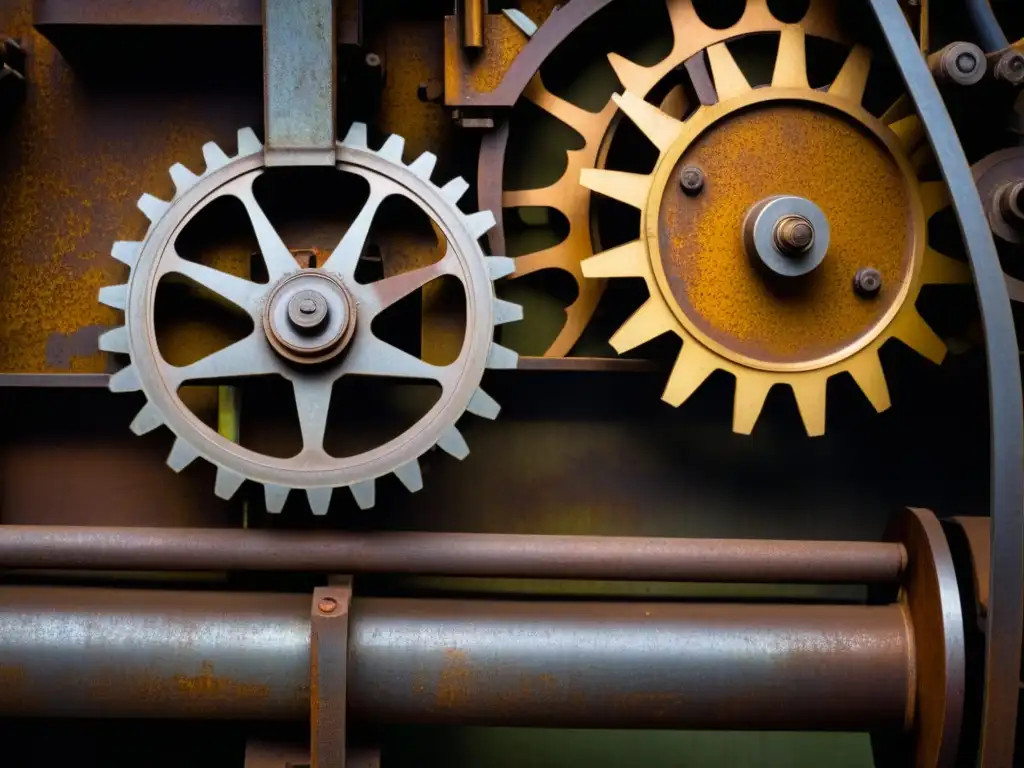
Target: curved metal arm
(990, 33)
(1006, 606)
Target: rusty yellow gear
(694, 251)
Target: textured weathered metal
(328, 670)
(300, 81)
(829, 160)
(133, 13)
(79, 652)
(454, 554)
(469, 76)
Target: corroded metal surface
(448, 661)
(70, 179)
(471, 74)
(824, 158)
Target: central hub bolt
(308, 311)
(793, 234)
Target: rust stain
(468, 73)
(204, 689)
(454, 687)
(819, 155)
(73, 164)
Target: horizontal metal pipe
(120, 653)
(452, 554)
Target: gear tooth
(423, 165)
(453, 443)
(506, 312)
(356, 136)
(214, 156)
(227, 483)
(411, 476)
(248, 143)
(480, 223)
(483, 405)
(147, 419)
(275, 497)
(125, 380)
(364, 493)
(393, 148)
(500, 266)
(454, 190)
(319, 500)
(115, 340)
(502, 358)
(182, 454)
(126, 251)
(183, 179)
(152, 207)
(114, 296)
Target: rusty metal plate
(816, 154)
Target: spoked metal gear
(311, 326)
(691, 36)
(783, 233)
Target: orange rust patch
(780, 149)
(455, 683)
(470, 72)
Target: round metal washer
(760, 240)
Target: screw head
(691, 179)
(372, 60)
(867, 282)
(307, 311)
(327, 605)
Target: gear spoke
(345, 258)
(384, 293)
(276, 256)
(240, 292)
(313, 403)
(372, 357)
(251, 356)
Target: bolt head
(966, 62)
(793, 234)
(691, 179)
(867, 282)
(327, 605)
(307, 311)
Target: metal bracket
(329, 674)
(299, 81)
(1006, 589)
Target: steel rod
(454, 554)
(130, 653)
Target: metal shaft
(126, 653)
(454, 554)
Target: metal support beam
(300, 81)
(1006, 591)
(328, 655)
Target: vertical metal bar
(299, 81)
(329, 674)
(473, 12)
(1006, 589)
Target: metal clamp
(328, 660)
